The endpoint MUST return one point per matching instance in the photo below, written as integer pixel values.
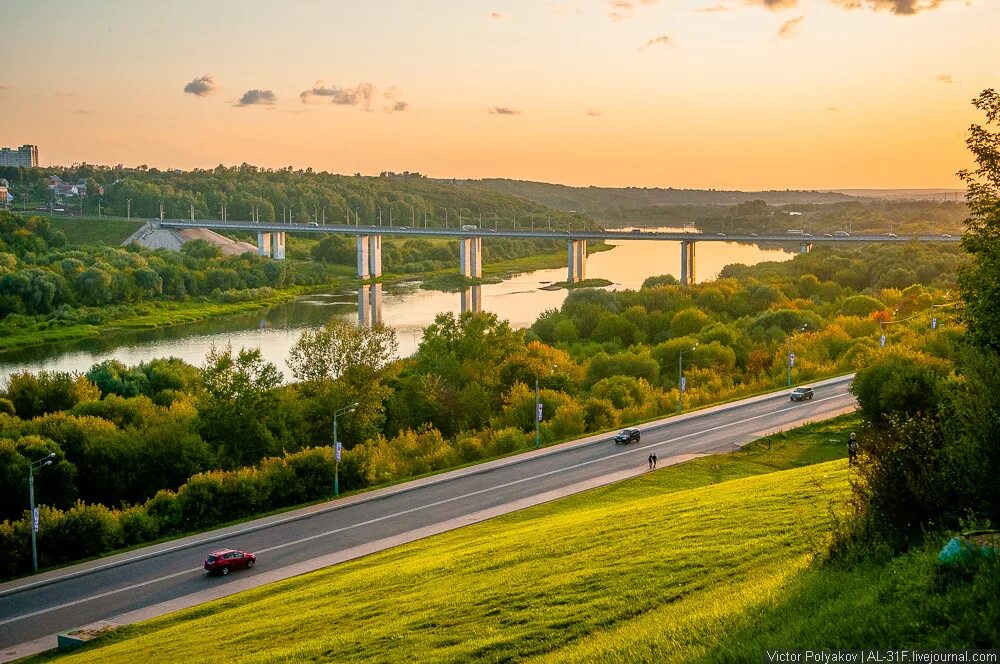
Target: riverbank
(94, 322)
(146, 316)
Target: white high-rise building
(26, 155)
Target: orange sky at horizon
(724, 94)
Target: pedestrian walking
(654, 459)
(852, 449)
(650, 460)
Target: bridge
(271, 241)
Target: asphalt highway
(81, 594)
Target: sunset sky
(728, 94)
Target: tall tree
(980, 281)
(239, 401)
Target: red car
(225, 561)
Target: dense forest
(596, 201)
(248, 192)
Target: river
(407, 308)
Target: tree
(343, 364)
(238, 404)
(899, 384)
(979, 283)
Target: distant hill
(595, 200)
(953, 195)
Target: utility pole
(128, 214)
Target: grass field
(707, 561)
(95, 231)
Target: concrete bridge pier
(805, 248)
(375, 256)
(576, 259)
(472, 299)
(362, 257)
(278, 250)
(263, 244)
(369, 256)
(470, 257)
(687, 262)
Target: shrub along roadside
(217, 497)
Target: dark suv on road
(626, 436)
(225, 561)
(801, 394)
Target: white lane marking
(419, 508)
(93, 597)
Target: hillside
(596, 200)
(706, 560)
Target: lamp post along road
(32, 467)
(791, 358)
(336, 446)
(680, 378)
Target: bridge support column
(463, 257)
(687, 262)
(805, 248)
(263, 244)
(576, 260)
(279, 245)
(476, 264)
(362, 257)
(470, 257)
(375, 256)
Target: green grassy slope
(708, 560)
(95, 231)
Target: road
(548, 233)
(77, 595)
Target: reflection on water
(406, 308)
(370, 305)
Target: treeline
(930, 446)
(39, 278)
(139, 439)
(285, 194)
(854, 217)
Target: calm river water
(408, 309)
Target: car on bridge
(842, 234)
(801, 394)
(626, 436)
(225, 561)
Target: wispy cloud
(257, 98)
(625, 9)
(201, 87)
(662, 39)
(788, 28)
(901, 7)
(714, 9)
(833, 109)
(396, 105)
(945, 78)
(360, 95)
(83, 111)
(504, 110)
(774, 4)
(497, 16)
(594, 113)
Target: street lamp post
(538, 410)
(789, 339)
(336, 446)
(32, 467)
(680, 378)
